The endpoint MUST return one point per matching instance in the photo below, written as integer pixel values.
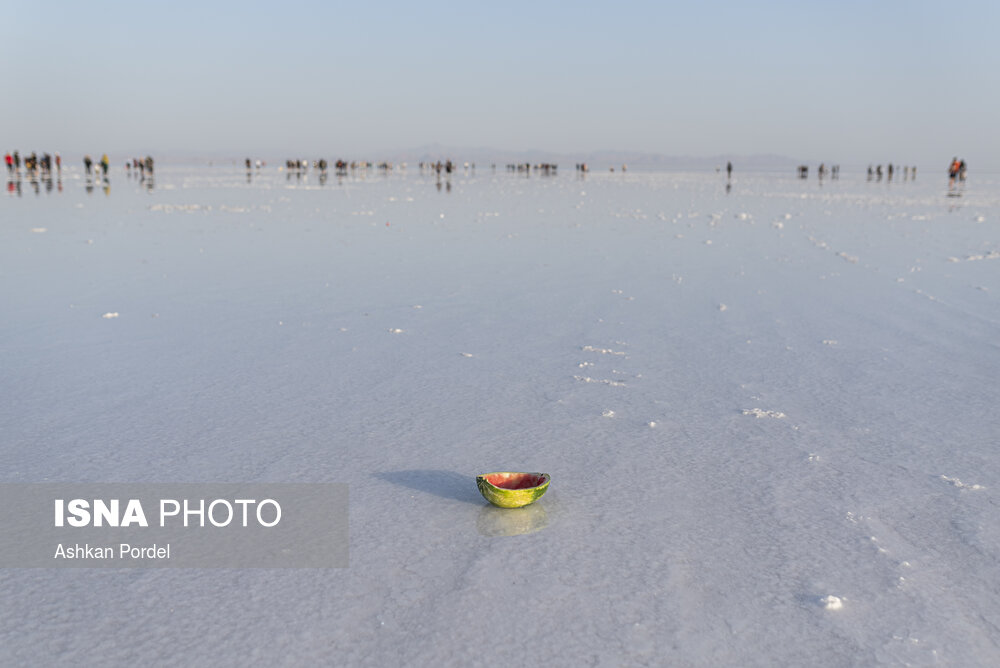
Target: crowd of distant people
(43, 169)
(46, 169)
(40, 169)
(141, 166)
(876, 173)
(33, 163)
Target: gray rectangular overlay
(182, 525)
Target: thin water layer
(768, 411)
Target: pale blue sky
(841, 81)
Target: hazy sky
(837, 80)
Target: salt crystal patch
(961, 485)
(608, 414)
(467, 355)
(758, 413)
(603, 351)
(602, 381)
(396, 331)
(109, 316)
(832, 602)
(39, 230)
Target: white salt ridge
(853, 259)
(602, 381)
(183, 208)
(992, 255)
(759, 413)
(961, 485)
(110, 315)
(603, 351)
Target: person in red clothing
(953, 172)
(9, 159)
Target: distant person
(729, 170)
(878, 173)
(9, 159)
(87, 164)
(890, 172)
(105, 163)
(871, 172)
(953, 171)
(961, 171)
(58, 163)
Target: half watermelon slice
(512, 490)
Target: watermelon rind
(512, 498)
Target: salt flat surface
(770, 416)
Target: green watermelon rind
(511, 498)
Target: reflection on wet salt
(495, 522)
